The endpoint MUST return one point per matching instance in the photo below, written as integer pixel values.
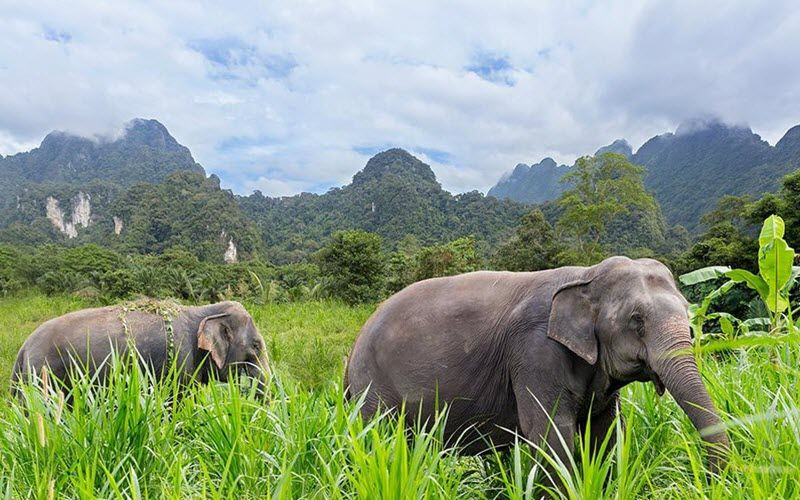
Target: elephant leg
(549, 423)
(602, 423)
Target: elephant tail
(17, 373)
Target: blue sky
(293, 96)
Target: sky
(296, 96)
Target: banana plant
(775, 279)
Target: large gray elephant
(524, 351)
(205, 341)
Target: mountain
(143, 192)
(146, 152)
(540, 182)
(140, 192)
(536, 183)
(396, 196)
(688, 171)
(71, 180)
(788, 148)
(620, 146)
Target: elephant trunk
(675, 365)
(261, 374)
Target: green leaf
(757, 283)
(703, 274)
(792, 280)
(697, 312)
(772, 229)
(775, 266)
(726, 326)
(764, 322)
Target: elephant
(531, 352)
(206, 342)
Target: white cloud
(279, 96)
(274, 187)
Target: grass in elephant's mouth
(133, 439)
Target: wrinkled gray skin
(208, 340)
(505, 349)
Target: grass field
(134, 439)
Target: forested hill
(83, 190)
(146, 152)
(535, 183)
(688, 171)
(540, 182)
(396, 196)
(144, 193)
(55, 191)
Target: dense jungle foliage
(171, 248)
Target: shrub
(533, 246)
(352, 266)
(455, 257)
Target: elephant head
(233, 344)
(628, 319)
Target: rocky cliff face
(81, 213)
(230, 255)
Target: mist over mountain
(688, 170)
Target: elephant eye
(637, 323)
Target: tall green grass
(134, 438)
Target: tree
(785, 204)
(455, 257)
(533, 246)
(731, 237)
(352, 265)
(602, 188)
(401, 265)
(12, 262)
(728, 240)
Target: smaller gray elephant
(205, 342)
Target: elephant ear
(572, 320)
(213, 336)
